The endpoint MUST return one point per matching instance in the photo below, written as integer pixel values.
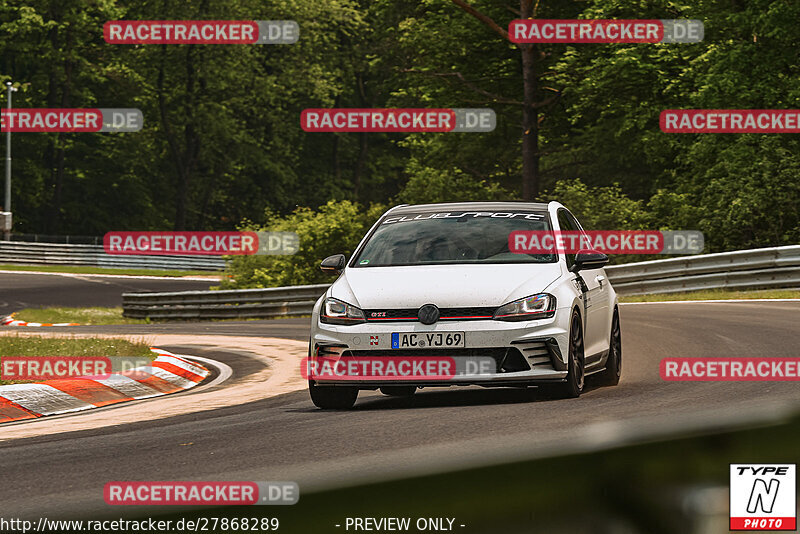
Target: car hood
(446, 286)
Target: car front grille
(537, 354)
(541, 353)
(445, 314)
(507, 359)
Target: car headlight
(335, 311)
(541, 306)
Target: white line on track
(225, 371)
(129, 277)
(277, 374)
(708, 301)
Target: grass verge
(715, 294)
(79, 269)
(61, 346)
(84, 316)
(105, 316)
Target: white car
(439, 281)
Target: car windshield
(427, 238)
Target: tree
(533, 102)
(334, 228)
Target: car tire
(573, 386)
(610, 376)
(333, 397)
(399, 391)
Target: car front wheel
(333, 397)
(573, 387)
(610, 376)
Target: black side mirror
(588, 259)
(333, 264)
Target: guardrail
(224, 304)
(762, 268)
(14, 252)
(744, 269)
(62, 239)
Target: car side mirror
(588, 259)
(333, 264)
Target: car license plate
(422, 340)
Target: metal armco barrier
(744, 269)
(761, 268)
(224, 304)
(95, 256)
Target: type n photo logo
(763, 497)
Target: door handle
(600, 279)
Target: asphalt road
(280, 328)
(286, 438)
(34, 290)
(23, 290)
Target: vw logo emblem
(428, 314)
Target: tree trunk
(530, 114)
(189, 137)
(56, 155)
(59, 170)
(363, 149)
(337, 168)
(363, 140)
(530, 88)
(185, 159)
(335, 163)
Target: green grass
(48, 346)
(84, 316)
(715, 294)
(104, 316)
(79, 269)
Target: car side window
(575, 224)
(578, 227)
(566, 224)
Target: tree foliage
(335, 228)
(222, 141)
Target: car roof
(470, 206)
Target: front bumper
(528, 352)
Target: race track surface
(281, 328)
(34, 290)
(287, 438)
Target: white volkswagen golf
(438, 282)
